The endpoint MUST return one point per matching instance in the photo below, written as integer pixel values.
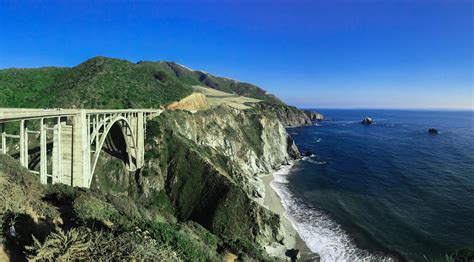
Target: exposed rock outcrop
(193, 102)
(289, 116)
(314, 116)
(432, 130)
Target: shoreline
(273, 202)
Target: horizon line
(392, 108)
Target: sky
(311, 54)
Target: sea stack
(432, 130)
(367, 121)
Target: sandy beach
(273, 202)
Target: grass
(216, 98)
(200, 78)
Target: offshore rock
(432, 130)
(308, 153)
(367, 121)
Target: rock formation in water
(367, 121)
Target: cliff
(208, 164)
(289, 116)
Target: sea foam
(321, 234)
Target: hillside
(102, 82)
(60, 223)
(96, 83)
(23, 87)
(200, 78)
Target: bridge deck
(15, 114)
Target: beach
(273, 202)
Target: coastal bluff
(199, 192)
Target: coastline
(273, 202)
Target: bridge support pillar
(140, 140)
(57, 153)
(23, 144)
(43, 154)
(81, 167)
(4, 139)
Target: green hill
(102, 82)
(97, 83)
(195, 77)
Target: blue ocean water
(388, 190)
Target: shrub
(188, 249)
(60, 246)
(89, 209)
(125, 205)
(127, 246)
(60, 193)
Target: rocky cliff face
(289, 116)
(314, 116)
(208, 164)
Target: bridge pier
(4, 139)
(80, 151)
(140, 140)
(43, 154)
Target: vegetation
(102, 82)
(184, 205)
(70, 246)
(201, 78)
(60, 222)
(97, 83)
(23, 87)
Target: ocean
(387, 191)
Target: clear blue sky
(368, 53)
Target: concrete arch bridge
(63, 145)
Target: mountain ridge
(102, 82)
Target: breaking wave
(321, 234)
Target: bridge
(63, 145)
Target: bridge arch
(128, 135)
(77, 137)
